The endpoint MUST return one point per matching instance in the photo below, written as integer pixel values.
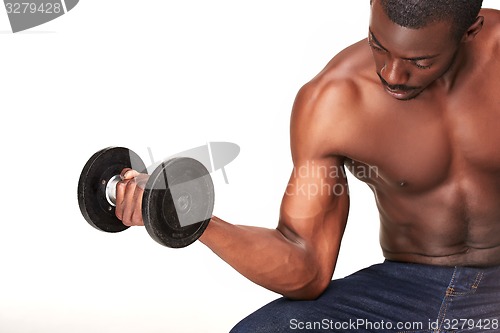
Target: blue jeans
(391, 297)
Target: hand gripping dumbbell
(177, 203)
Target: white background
(169, 75)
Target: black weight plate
(178, 202)
(100, 168)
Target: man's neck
(448, 80)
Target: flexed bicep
(314, 211)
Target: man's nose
(394, 72)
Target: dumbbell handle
(111, 189)
(110, 192)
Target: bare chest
(420, 146)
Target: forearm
(267, 257)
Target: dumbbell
(177, 203)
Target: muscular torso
(433, 163)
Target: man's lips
(397, 93)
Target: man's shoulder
(494, 14)
(341, 84)
(491, 24)
(331, 101)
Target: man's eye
(422, 65)
(375, 47)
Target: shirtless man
(417, 107)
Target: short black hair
(415, 14)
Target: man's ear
(473, 30)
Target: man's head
(416, 14)
(415, 42)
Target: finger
(136, 216)
(128, 203)
(140, 184)
(128, 173)
(121, 188)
